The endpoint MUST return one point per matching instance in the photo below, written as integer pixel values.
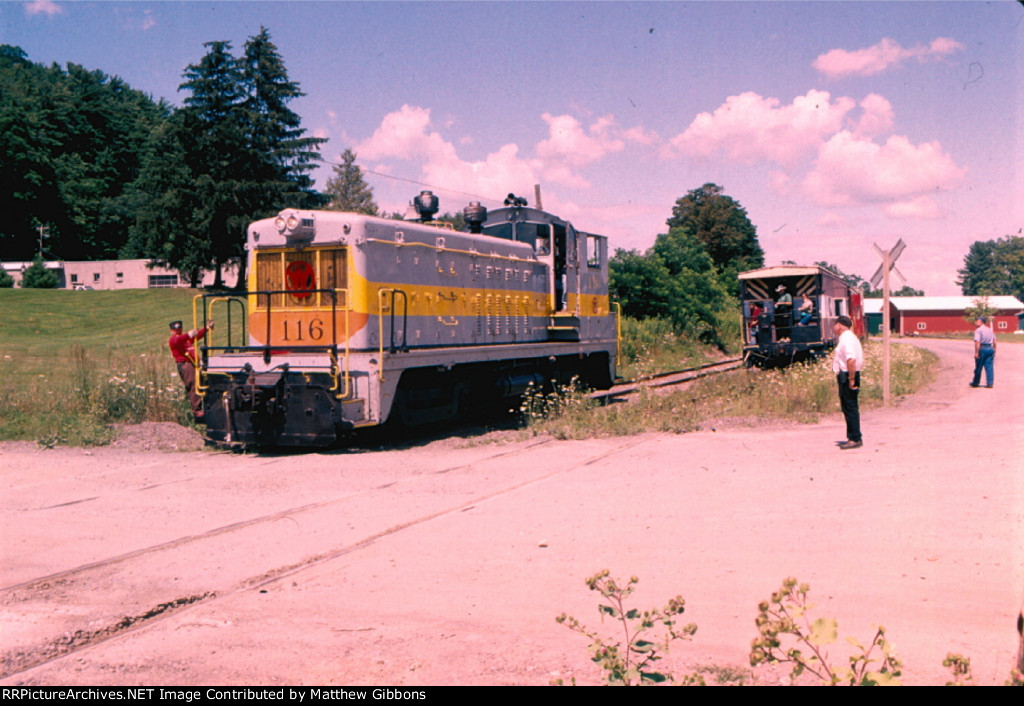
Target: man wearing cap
(984, 353)
(847, 363)
(183, 350)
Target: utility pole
(44, 232)
(881, 276)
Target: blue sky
(836, 125)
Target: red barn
(934, 315)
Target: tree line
(93, 169)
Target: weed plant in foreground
(800, 393)
(787, 635)
(646, 635)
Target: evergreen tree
(213, 130)
(36, 276)
(236, 153)
(6, 281)
(170, 221)
(284, 157)
(347, 190)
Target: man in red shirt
(183, 350)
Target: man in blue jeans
(984, 353)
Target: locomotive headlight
(286, 224)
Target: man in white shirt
(847, 363)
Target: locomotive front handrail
(339, 386)
(208, 301)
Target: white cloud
(920, 208)
(43, 7)
(853, 170)
(567, 140)
(888, 53)
(406, 134)
(877, 118)
(409, 134)
(749, 127)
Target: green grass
(74, 362)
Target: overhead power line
(421, 183)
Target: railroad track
(675, 377)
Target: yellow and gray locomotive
(352, 320)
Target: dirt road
(448, 562)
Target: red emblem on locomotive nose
(300, 277)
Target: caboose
(789, 312)
(354, 320)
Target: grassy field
(73, 362)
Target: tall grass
(800, 393)
(77, 403)
(74, 363)
(651, 346)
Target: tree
(994, 267)
(347, 190)
(234, 153)
(37, 276)
(640, 283)
(170, 220)
(6, 281)
(981, 308)
(214, 130)
(674, 280)
(283, 156)
(70, 148)
(721, 224)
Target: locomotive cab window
(594, 255)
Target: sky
(838, 126)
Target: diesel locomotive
(789, 313)
(352, 320)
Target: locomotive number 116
(296, 330)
